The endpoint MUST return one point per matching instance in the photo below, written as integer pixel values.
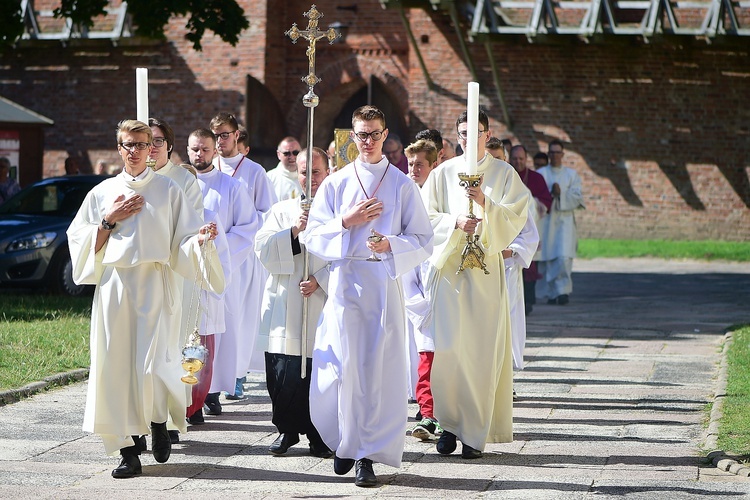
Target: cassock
(285, 183)
(472, 368)
(243, 307)
(359, 382)
(135, 372)
(523, 246)
(230, 200)
(559, 239)
(281, 315)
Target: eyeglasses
(363, 136)
(463, 134)
(225, 135)
(287, 153)
(158, 142)
(132, 146)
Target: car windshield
(60, 199)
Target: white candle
(141, 94)
(472, 127)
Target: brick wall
(658, 132)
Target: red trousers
(423, 389)
(200, 390)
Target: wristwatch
(107, 226)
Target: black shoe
(161, 445)
(130, 466)
(342, 465)
(174, 437)
(196, 418)
(213, 407)
(469, 452)
(140, 444)
(563, 299)
(319, 449)
(552, 302)
(365, 476)
(418, 416)
(447, 443)
(283, 442)
(529, 308)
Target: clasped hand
(467, 224)
(381, 246)
(307, 288)
(207, 232)
(301, 223)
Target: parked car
(33, 244)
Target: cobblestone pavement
(611, 405)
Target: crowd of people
(341, 286)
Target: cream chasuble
(472, 369)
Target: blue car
(33, 244)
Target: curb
(717, 457)
(65, 378)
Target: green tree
(223, 17)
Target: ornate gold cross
(312, 34)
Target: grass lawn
(41, 335)
(701, 250)
(734, 427)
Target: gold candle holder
(194, 356)
(472, 255)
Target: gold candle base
(472, 255)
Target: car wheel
(62, 277)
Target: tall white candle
(472, 127)
(141, 94)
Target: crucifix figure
(312, 34)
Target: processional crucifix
(312, 34)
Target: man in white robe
(517, 257)
(359, 380)
(131, 232)
(284, 176)
(280, 249)
(243, 306)
(472, 369)
(161, 152)
(230, 200)
(559, 243)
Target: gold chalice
(472, 255)
(194, 356)
(374, 238)
(150, 163)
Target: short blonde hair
(423, 146)
(134, 127)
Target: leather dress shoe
(342, 465)
(174, 436)
(283, 442)
(365, 476)
(212, 404)
(319, 449)
(161, 445)
(563, 299)
(469, 452)
(130, 466)
(197, 418)
(447, 443)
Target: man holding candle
(471, 375)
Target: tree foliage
(225, 18)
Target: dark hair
(224, 119)
(494, 143)
(166, 130)
(521, 146)
(204, 133)
(555, 142)
(542, 156)
(433, 135)
(243, 136)
(482, 119)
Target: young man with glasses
(358, 385)
(558, 229)
(243, 307)
(284, 176)
(471, 376)
(132, 232)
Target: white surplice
(281, 313)
(285, 183)
(135, 371)
(471, 375)
(524, 246)
(358, 384)
(559, 238)
(243, 311)
(230, 200)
